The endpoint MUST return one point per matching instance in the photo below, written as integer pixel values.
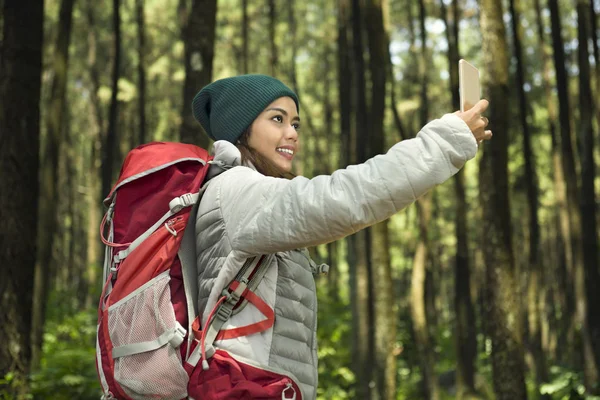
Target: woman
(249, 209)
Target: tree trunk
(419, 270)
(535, 289)
(417, 303)
(346, 138)
(385, 321)
(20, 83)
(588, 200)
(344, 76)
(112, 137)
(502, 303)
(594, 37)
(95, 207)
(363, 305)
(572, 197)
(199, 42)
(141, 31)
(332, 247)
(50, 159)
(293, 44)
(466, 334)
(245, 38)
(272, 35)
(423, 58)
(567, 306)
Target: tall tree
(572, 195)
(419, 269)
(293, 45)
(344, 75)
(141, 32)
(562, 234)
(384, 321)
(502, 303)
(95, 132)
(333, 277)
(245, 38)
(534, 290)
(466, 334)
(588, 198)
(50, 159)
(199, 42)
(20, 82)
(272, 34)
(596, 52)
(112, 136)
(360, 274)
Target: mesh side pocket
(143, 317)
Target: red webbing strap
(256, 327)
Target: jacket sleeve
(264, 215)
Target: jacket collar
(226, 156)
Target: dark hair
(262, 164)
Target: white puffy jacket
(244, 213)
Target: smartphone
(469, 86)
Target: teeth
(286, 151)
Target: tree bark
(588, 199)
(346, 140)
(293, 45)
(502, 303)
(535, 290)
(141, 31)
(419, 270)
(572, 198)
(594, 39)
(417, 302)
(466, 334)
(112, 136)
(50, 159)
(344, 76)
(272, 34)
(567, 305)
(199, 42)
(328, 106)
(20, 83)
(363, 307)
(245, 38)
(385, 321)
(94, 255)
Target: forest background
(487, 287)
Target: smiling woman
(252, 229)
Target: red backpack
(149, 338)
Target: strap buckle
(178, 203)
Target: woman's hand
(476, 122)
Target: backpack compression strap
(241, 288)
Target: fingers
(480, 138)
(480, 107)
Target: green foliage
(334, 335)
(566, 384)
(14, 387)
(67, 368)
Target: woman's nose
(291, 133)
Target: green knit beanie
(227, 107)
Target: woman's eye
(277, 118)
(296, 126)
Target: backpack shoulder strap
(187, 256)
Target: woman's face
(274, 133)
